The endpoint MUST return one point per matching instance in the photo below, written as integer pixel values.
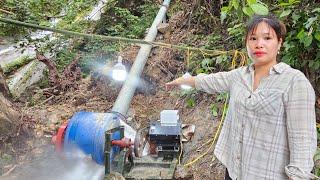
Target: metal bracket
(107, 147)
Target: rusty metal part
(139, 143)
(57, 140)
(123, 143)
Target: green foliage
(73, 16)
(301, 46)
(127, 19)
(13, 66)
(303, 37)
(213, 40)
(42, 12)
(64, 58)
(96, 58)
(7, 158)
(191, 102)
(44, 82)
(121, 18)
(175, 7)
(18, 11)
(214, 110)
(60, 50)
(40, 9)
(201, 63)
(302, 22)
(236, 33)
(243, 8)
(221, 97)
(190, 96)
(257, 8)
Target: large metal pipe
(127, 91)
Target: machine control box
(165, 134)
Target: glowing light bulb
(184, 86)
(119, 72)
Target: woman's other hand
(189, 81)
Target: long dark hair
(271, 20)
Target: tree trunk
(9, 116)
(3, 85)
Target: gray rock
(163, 27)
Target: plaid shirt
(269, 133)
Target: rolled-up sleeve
(216, 82)
(301, 127)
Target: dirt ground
(32, 156)
(46, 116)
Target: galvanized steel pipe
(127, 91)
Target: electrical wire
(115, 38)
(213, 140)
(121, 116)
(159, 44)
(215, 136)
(181, 150)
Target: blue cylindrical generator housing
(86, 131)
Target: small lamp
(119, 72)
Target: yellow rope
(233, 62)
(215, 136)
(179, 159)
(159, 44)
(243, 59)
(213, 140)
(217, 52)
(188, 58)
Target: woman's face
(263, 45)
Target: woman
(270, 128)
